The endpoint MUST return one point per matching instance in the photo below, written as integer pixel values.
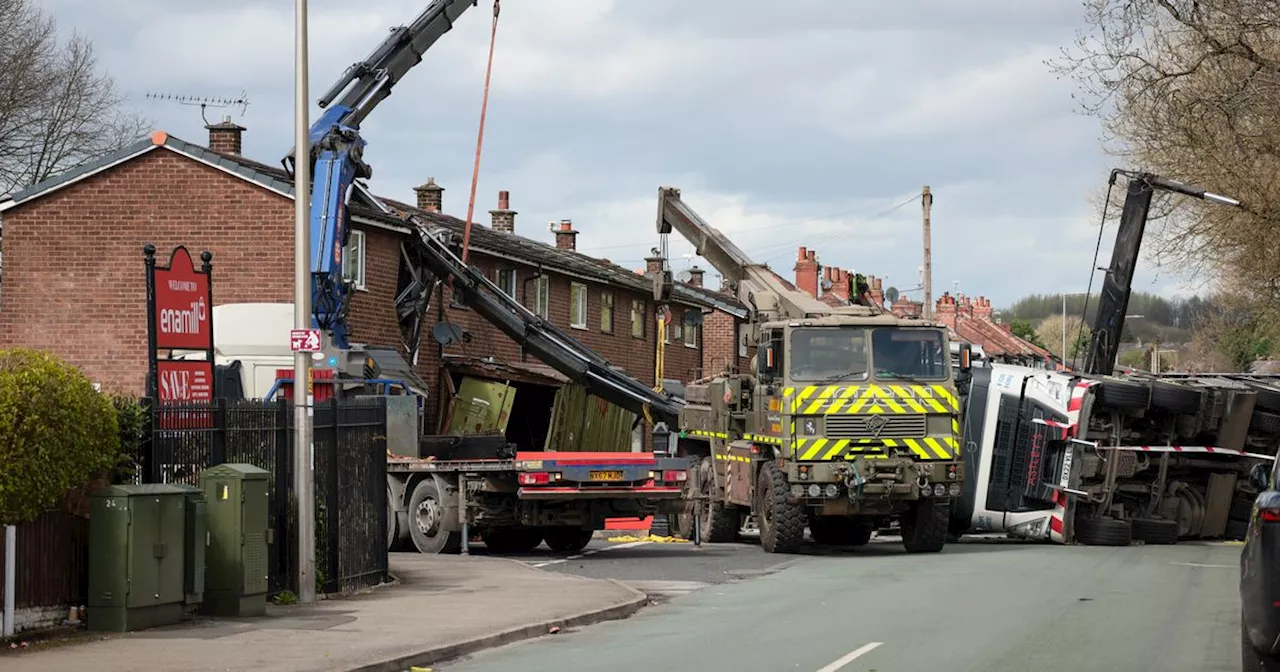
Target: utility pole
(303, 476)
(926, 201)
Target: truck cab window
(828, 354)
(909, 353)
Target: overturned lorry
(1105, 457)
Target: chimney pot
(504, 218)
(226, 137)
(504, 200)
(803, 254)
(695, 276)
(566, 237)
(430, 196)
(813, 256)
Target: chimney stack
(877, 290)
(840, 283)
(566, 237)
(652, 265)
(945, 310)
(982, 308)
(695, 276)
(430, 196)
(226, 137)
(504, 218)
(806, 269)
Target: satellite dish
(684, 276)
(891, 294)
(693, 317)
(447, 333)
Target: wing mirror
(1260, 477)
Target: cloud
(785, 124)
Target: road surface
(980, 607)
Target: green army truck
(847, 421)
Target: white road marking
(850, 657)
(590, 552)
(1197, 564)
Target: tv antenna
(242, 101)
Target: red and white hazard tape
(1177, 449)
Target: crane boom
(336, 154)
(757, 285)
(1117, 285)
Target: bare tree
(57, 109)
(1191, 89)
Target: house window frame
(577, 305)
(542, 296)
(606, 312)
(511, 276)
(690, 333)
(638, 318)
(355, 252)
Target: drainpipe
(10, 576)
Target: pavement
(979, 606)
(442, 607)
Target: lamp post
(303, 477)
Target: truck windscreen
(828, 354)
(918, 354)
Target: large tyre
(720, 522)
(1122, 394)
(1175, 398)
(1265, 422)
(512, 539)
(1103, 531)
(1155, 531)
(924, 526)
(426, 519)
(567, 539)
(1251, 659)
(781, 523)
(1268, 398)
(841, 531)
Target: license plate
(606, 475)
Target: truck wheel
(1175, 398)
(511, 539)
(567, 539)
(1268, 395)
(840, 531)
(1155, 531)
(1251, 659)
(393, 528)
(1122, 394)
(1265, 422)
(924, 526)
(781, 523)
(1105, 531)
(720, 523)
(426, 521)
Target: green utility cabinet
(195, 542)
(236, 579)
(136, 557)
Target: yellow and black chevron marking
(928, 448)
(707, 434)
(854, 399)
(732, 458)
(760, 438)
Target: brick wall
(74, 280)
(720, 344)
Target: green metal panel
(254, 509)
(194, 544)
(236, 515)
(481, 407)
(136, 556)
(583, 422)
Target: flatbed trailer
(516, 504)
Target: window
(666, 332)
(691, 335)
(578, 305)
(606, 312)
(828, 354)
(542, 296)
(506, 281)
(637, 318)
(353, 259)
(909, 353)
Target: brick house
(74, 281)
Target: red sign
(182, 305)
(304, 340)
(179, 380)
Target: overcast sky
(784, 124)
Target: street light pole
(303, 476)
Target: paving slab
(443, 607)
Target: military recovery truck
(847, 420)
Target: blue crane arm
(337, 153)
